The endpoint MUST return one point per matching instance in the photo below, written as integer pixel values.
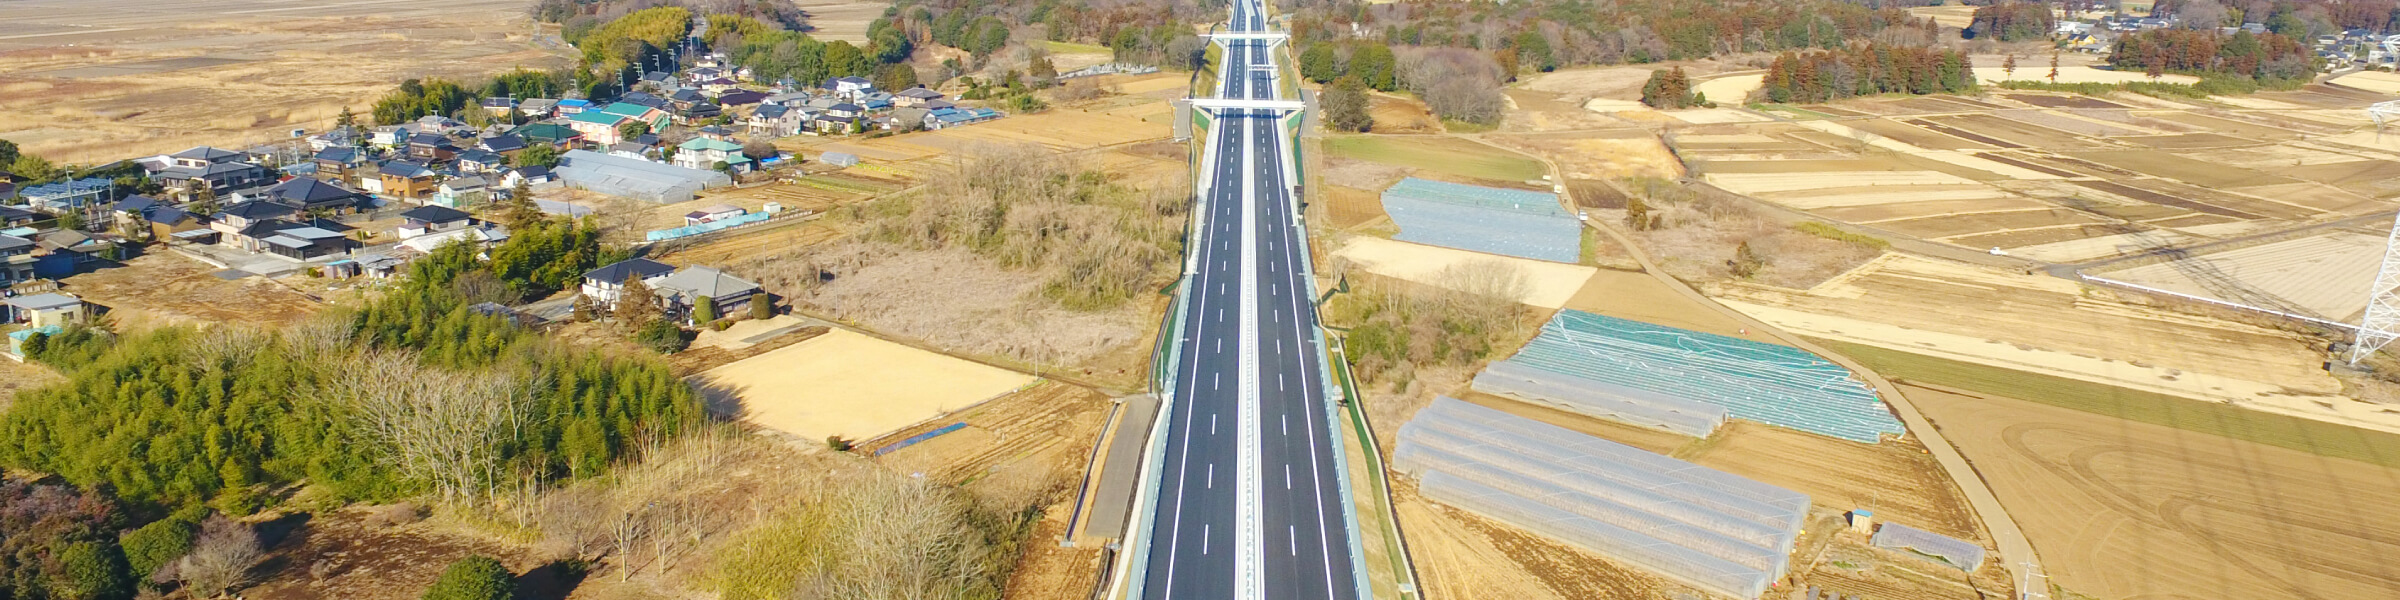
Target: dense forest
(1546, 34)
(2294, 18)
(2012, 22)
(1866, 69)
(2268, 59)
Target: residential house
(499, 107)
(406, 180)
(530, 175)
(221, 170)
(390, 137)
(656, 79)
(315, 196)
(685, 97)
(66, 251)
(306, 242)
(704, 153)
(171, 223)
(339, 163)
(481, 161)
(17, 217)
(241, 224)
(431, 148)
(719, 85)
(953, 117)
(537, 108)
(772, 120)
(635, 150)
(482, 235)
(602, 286)
(67, 195)
(914, 97)
(570, 106)
(339, 136)
(53, 310)
(850, 87)
(704, 72)
(462, 191)
(554, 134)
(16, 260)
(644, 99)
(716, 212)
(426, 220)
(698, 113)
(716, 132)
(740, 98)
(683, 290)
(876, 101)
(602, 126)
(839, 118)
(436, 124)
(508, 145)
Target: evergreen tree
(761, 306)
(1637, 213)
(91, 570)
(633, 129)
(476, 577)
(1317, 63)
(1746, 261)
(204, 199)
(521, 209)
(1375, 65)
(704, 309)
(636, 304)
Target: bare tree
(221, 558)
(443, 428)
(1456, 83)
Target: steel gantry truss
(2382, 322)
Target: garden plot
(2226, 125)
(1947, 226)
(2373, 81)
(2327, 276)
(2181, 168)
(1550, 284)
(2016, 131)
(2185, 141)
(1930, 208)
(2065, 122)
(2371, 178)
(1706, 116)
(1904, 133)
(855, 386)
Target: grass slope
(1447, 155)
(2306, 435)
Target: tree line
(2012, 21)
(419, 392)
(416, 98)
(1864, 70)
(2267, 59)
(1547, 34)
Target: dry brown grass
(1694, 237)
(1018, 254)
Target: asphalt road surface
(1252, 376)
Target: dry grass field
(2325, 275)
(98, 80)
(2132, 510)
(849, 384)
(1549, 284)
(165, 288)
(1048, 427)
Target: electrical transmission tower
(2382, 322)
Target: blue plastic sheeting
(692, 230)
(1941, 548)
(1600, 399)
(1776, 385)
(1713, 530)
(912, 440)
(1481, 219)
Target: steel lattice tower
(2382, 322)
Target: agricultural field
(852, 385)
(2122, 509)
(101, 80)
(2043, 325)
(2059, 178)
(2327, 276)
(1459, 159)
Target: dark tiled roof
(340, 154)
(402, 168)
(619, 272)
(434, 214)
(258, 209)
(137, 204)
(306, 191)
(208, 154)
(505, 143)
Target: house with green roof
(704, 154)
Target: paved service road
(1249, 504)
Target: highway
(1249, 501)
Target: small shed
(45, 310)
